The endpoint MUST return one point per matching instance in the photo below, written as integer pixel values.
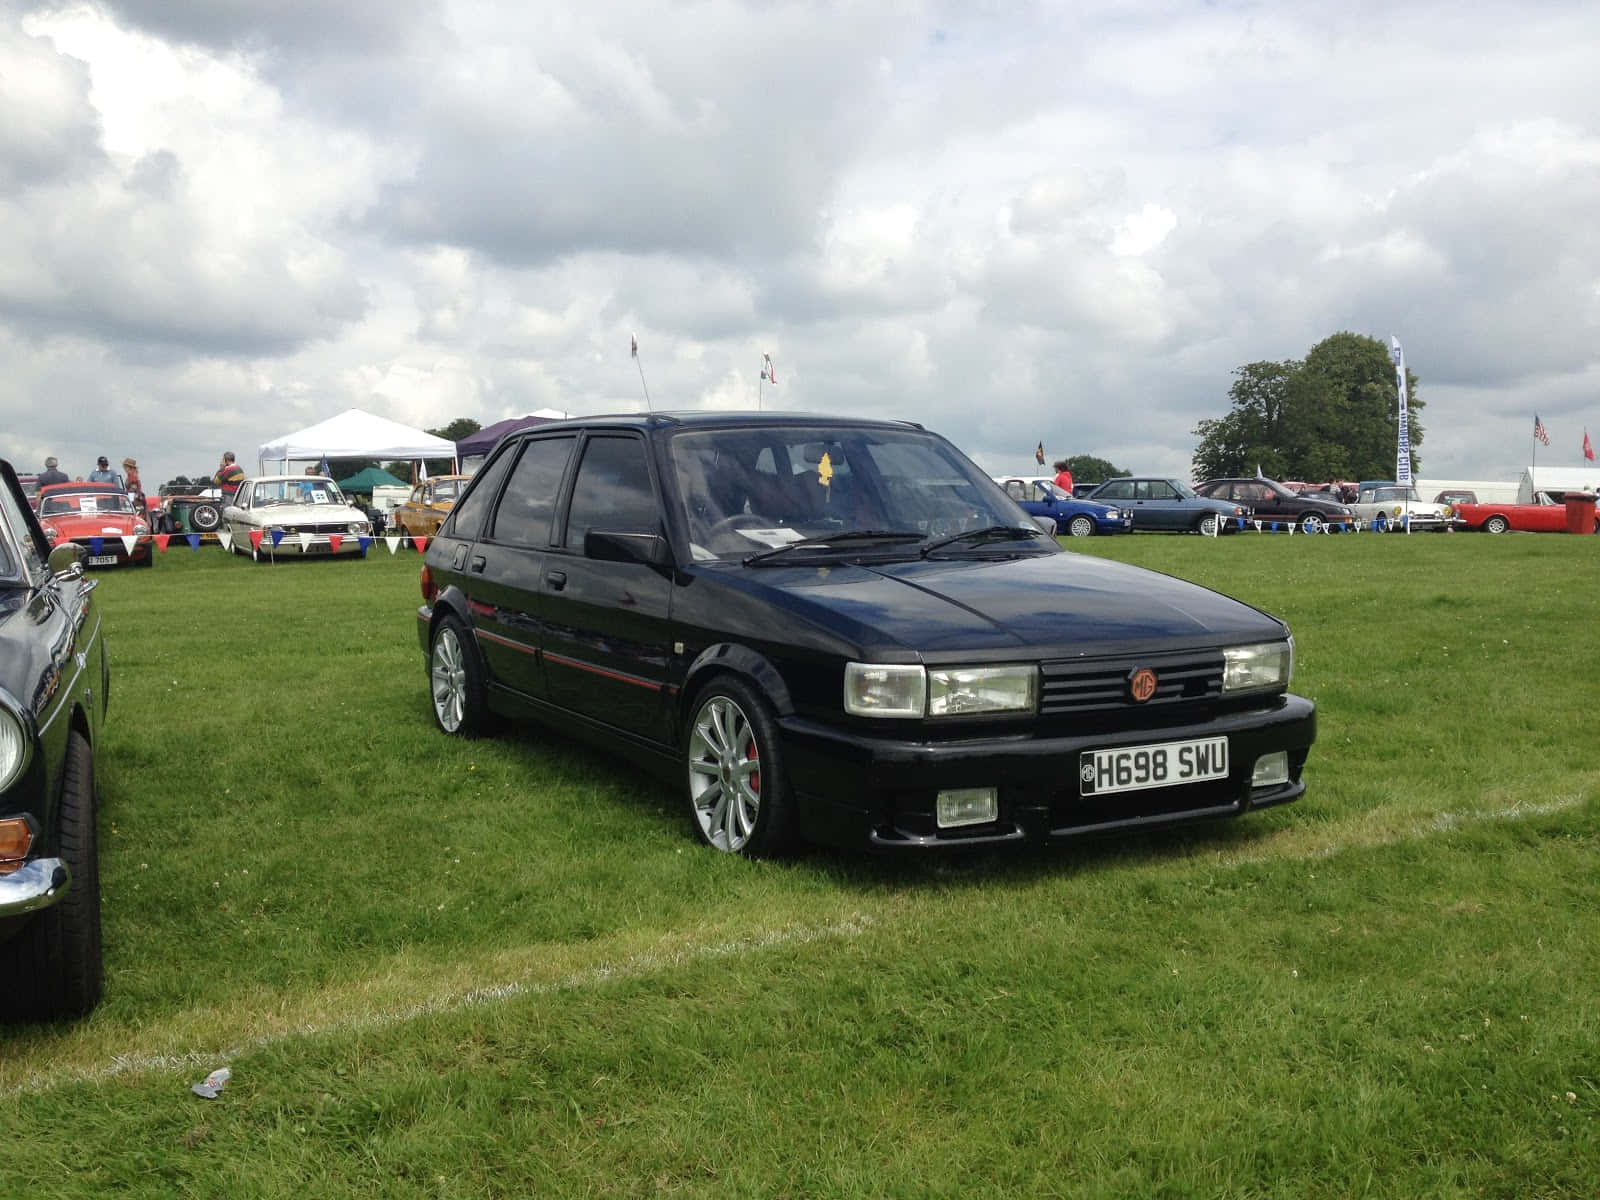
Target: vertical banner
(1402, 456)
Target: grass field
(502, 968)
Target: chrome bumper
(32, 886)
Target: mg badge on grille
(1141, 685)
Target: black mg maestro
(843, 631)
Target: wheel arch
(734, 658)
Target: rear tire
(456, 680)
(1206, 526)
(1310, 523)
(1496, 524)
(53, 968)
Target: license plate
(1165, 764)
(102, 560)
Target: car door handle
(478, 563)
(557, 580)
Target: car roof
(283, 478)
(710, 419)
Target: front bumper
(858, 790)
(34, 885)
(111, 547)
(320, 545)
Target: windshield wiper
(829, 541)
(1009, 533)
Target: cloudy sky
(224, 220)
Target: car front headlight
(13, 748)
(884, 690)
(1253, 668)
(358, 527)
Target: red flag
(255, 538)
(1538, 430)
(163, 538)
(421, 543)
(1588, 447)
(335, 541)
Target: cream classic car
(306, 515)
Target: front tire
(456, 682)
(1080, 527)
(1310, 523)
(1496, 525)
(739, 794)
(53, 968)
(1206, 526)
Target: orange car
(101, 517)
(427, 507)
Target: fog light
(1271, 769)
(967, 806)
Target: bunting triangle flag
(394, 542)
(194, 541)
(277, 536)
(255, 538)
(1258, 524)
(1290, 525)
(226, 538)
(97, 545)
(421, 543)
(365, 542)
(129, 541)
(162, 539)
(305, 542)
(334, 542)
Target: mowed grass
(503, 967)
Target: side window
(612, 491)
(1160, 489)
(529, 503)
(1122, 490)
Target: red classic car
(1545, 515)
(99, 516)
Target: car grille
(318, 530)
(1100, 685)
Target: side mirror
(67, 559)
(609, 545)
(1047, 524)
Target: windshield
(1394, 493)
(745, 490)
(309, 490)
(85, 502)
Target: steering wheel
(737, 522)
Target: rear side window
(613, 491)
(529, 504)
(466, 519)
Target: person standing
(102, 472)
(130, 472)
(1064, 476)
(229, 476)
(52, 472)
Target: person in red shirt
(1064, 477)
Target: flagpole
(634, 340)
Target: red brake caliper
(755, 776)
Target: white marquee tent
(355, 434)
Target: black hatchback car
(843, 631)
(54, 676)
(1272, 501)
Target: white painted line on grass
(633, 967)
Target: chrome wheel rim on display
(449, 673)
(724, 774)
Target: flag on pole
(634, 339)
(1538, 430)
(768, 371)
(322, 467)
(1038, 454)
(1588, 447)
(1402, 457)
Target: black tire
(53, 968)
(1080, 526)
(1496, 524)
(204, 518)
(456, 680)
(1311, 522)
(730, 745)
(1206, 524)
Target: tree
(1086, 468)
(1332, 416)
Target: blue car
(1040, 497)
(1170, 505)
